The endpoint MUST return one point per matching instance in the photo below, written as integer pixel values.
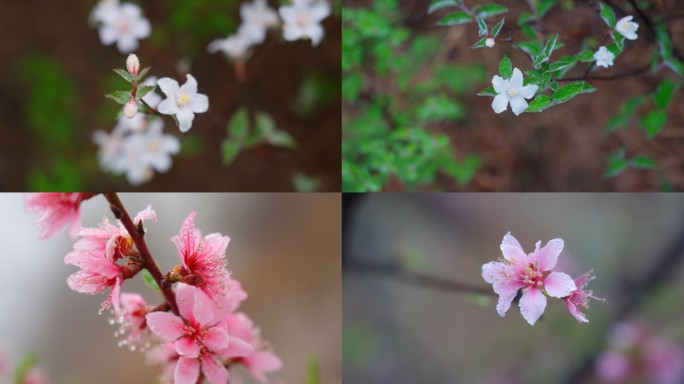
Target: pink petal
(203, 308)
(216, 339)
(575, 312)
(187, 346)
(185, 298)
(559, 284)
(513, 254)
(504, 303)
(548, 255)
(166, 325)
(494, 271)
(509, 240)
(613, 366)
(146, 214)
(532, 305)
(187, 234)
(260, 362)
(237, 348)
(187, 371)
(214, 371)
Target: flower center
(182, 99)
(512, 92)
(623, 26)
(303, 20)
(532, 276)
(153, 145)
(123, 25)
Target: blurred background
(400, 332)
(285, 250)
(55, 72)
(412, 120)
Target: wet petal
(532, 305)
(559, 284)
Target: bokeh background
(285, 250)
(398, 332)
(54, 73)
(417, 77)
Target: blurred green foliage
(394, 87)
(51, 115)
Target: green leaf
(436, 5)
(479, 299)
(550, 46)
(568, 91)
(663, 94)
(482, 43)
(653, 123)
(24, 367)
(313, 375)
(487, 92)
(304, 183)
(544, 6)
(564, 63)
(123, 73)
(352, 85)
(540, 103)
(506, 67)
(229, 150)
(624, 115)
(497, 28)
(615, 167)
(142, 74)
(490, 10)
(149, 280)
(463, 171)
(144, 90)
(459, 17)
(280, 139)
(607, 14)
(482, 26)
(619, 40)
(439, 108)
(643, 162)
(121, 97)
(675, 65)
(524, 17)
(585, 56)
(238, 125)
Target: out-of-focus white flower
(627, 28)
(132, 64)
(490, 42)
(257, 17)
(512, 91)
(130, 108)
(142, 153)
(152, 99)
(303, 18)
(102, 11)
(604, 57)
(123, 24)
(234, 47)
(111, 147)
(182, 101)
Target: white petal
(168, 86)
(190, 86)
(185, 118)
(500, 85)
(500, 102)
(518, 104)
(528, 91)
(168, 107)
(199, 103)
(316, 34)
(517, 79)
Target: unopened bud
(133, 64)
(490, 42)
(131, 108)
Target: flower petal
(199, 103)
(506, 296)
(559, 284)
(168, 86)
(185, 118)
(217, 339)
(185, 298)
(516, 80)
(187, 371)
(500, 85)
(186, 346)
(547, 256)
(190, 86)
(513, 254)
(500, 102)
(166, 325)
(168, 106)
(215, 372)
(493, 271)
(532, 305)
(528, 91)
(511, 240)
(575, 312)
(518, 104)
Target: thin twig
(139, 241)
(635, 72)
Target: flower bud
(490, 42)
(131, 108)
(133, 64)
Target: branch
(397, 272)
(617, 76)
(137, 236)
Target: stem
(137, 236)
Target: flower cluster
(120, 23)
(301, 20)
(58, 210)
(199, 327)
(534, 276)
(634, 354)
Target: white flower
(627, 28)
(182, 101)
(257, 17)
(124, 25)
(512, 90)
(303, 19)
(235, 46)
(489, 42)
(142, 153)
(103, 10)
(111, 147)
(604, 57)
(152, 99)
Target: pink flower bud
(133, 64)
(131, 108)
(490, 42)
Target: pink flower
(166, 356)
(664, 362)
(203, 263)
(132, 321)
(580, 297)
(531, 273)
(58, 211)
(613, 367)
(196, 337)
(261, 359)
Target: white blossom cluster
(120, 23)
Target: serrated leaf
(497, 28)
(506, 67)
(643, 162)
(121, 97)
(123, 73)
(149, 280)
(436, 5)
(607, 14)
(564, 63)
(540, 103)
(482, 43)
(653, 123)
(568, 91)
(482, 26)
(490, 10)
(663, 94)
(144, 90)
(456, 18)
(142, 74)
(487, 92)
(238, 126)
